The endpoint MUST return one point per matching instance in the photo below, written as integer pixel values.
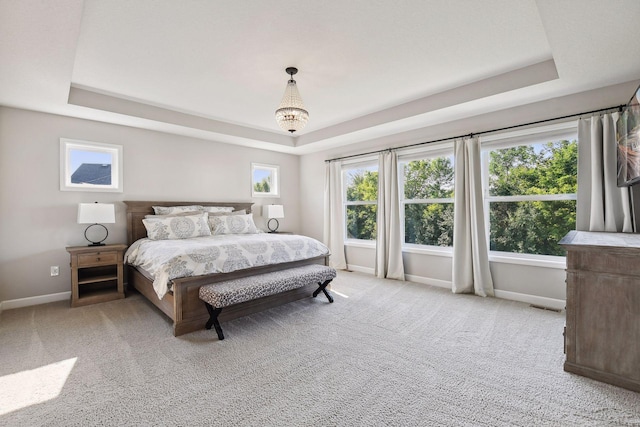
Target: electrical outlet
(55, 270)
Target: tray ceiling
(215, 70)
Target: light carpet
(392, 353)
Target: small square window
(90, 166)
(265, 180)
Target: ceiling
(368, 68)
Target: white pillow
(170, 210)
(216, 208)
(177, 227)
(232, 224)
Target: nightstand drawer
(98, 258)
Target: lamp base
(99, 242)
(273, 230)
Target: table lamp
(96, 214)
(272, 212)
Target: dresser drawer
(98, 258)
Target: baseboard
(360, 269)
(40, 299)
(556, 304)
(428, 281)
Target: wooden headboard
(136, 211)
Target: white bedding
(170, 259)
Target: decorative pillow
(177, 227)
(233, 224)
(175, 214)
(216, 208)
(240, 212)
(169, 210)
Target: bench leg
(213, 320)
(323, 287)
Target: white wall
(37, 220)
(537, 284)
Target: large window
(530, 195)
(426, 188)
(360, 183)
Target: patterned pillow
(177, 227)
(174, 214)
(240, 212)
(216, 208)
(169, 210)
(233, 224)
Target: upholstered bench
(224, 294)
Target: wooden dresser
(602, 336)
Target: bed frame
(183, 305)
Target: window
(264, 180)
(90, 166)
(360, 185)
(426, 191)
(530, 194)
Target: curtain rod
(619, 107)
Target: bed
(182, 304)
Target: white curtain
(470, 253)
(389, 228)
(334, 215)
(601, 205)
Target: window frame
(346, 167)
(445, 149)
(274, 171)
(67, 146)
(538, 135)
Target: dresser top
(601, 239)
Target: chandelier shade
(291, 115)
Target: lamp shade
(96, 213)
(273, 211)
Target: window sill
(546, 261)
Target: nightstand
(97, 273)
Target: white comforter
(170, 259)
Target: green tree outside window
(532, 226)
(362, 186)
(531, 198)
(428, 204)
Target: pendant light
(291, 114)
